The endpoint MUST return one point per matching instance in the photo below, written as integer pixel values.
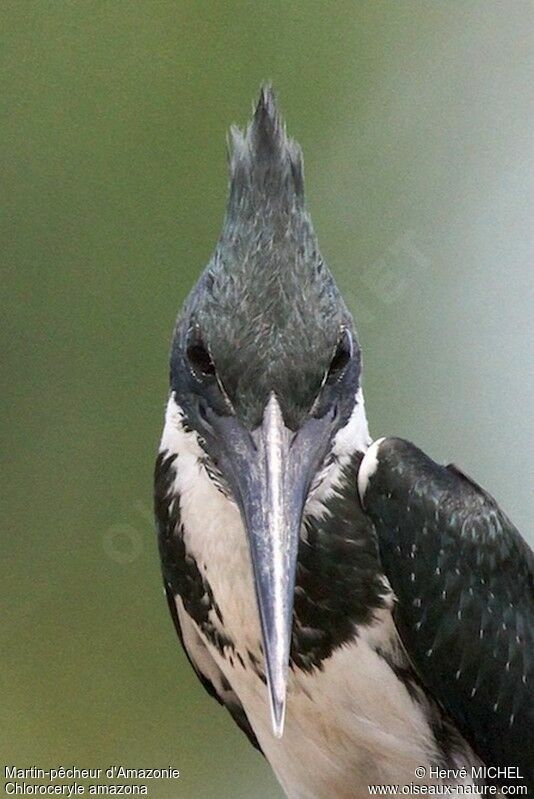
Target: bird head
(265, 366)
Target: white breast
(348, 725)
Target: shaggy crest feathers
(267, 306)
(264, 161)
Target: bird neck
(334, 527)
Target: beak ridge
(274, 544)
(270, 471)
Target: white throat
(213, 530)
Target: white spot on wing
(368, 467)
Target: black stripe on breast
(339, 580)
(180, 570)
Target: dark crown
(267, 307)
(264, 161)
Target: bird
(360, 610)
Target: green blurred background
(414, 118)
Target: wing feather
(464, 581)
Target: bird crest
(266, 294)
(265, 164)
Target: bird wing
(464, 581)
(188, 595)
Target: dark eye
(342, 355)
(199, 357)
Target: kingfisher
(360, 610)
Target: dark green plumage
(464, 579)
(268, 308)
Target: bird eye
(342, 355)
(199, 358)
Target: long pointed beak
(273, 517)
(270, 471)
